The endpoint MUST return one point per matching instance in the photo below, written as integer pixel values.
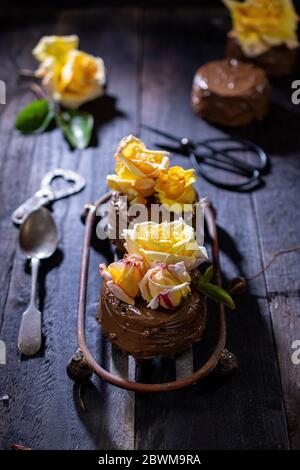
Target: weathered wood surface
(151, 58)
(169, 64)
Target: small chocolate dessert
(145, 333)
(277, 62)
(230, 92)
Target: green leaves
(214, 292)
(77, 126)
(207, 276)
(35, 117)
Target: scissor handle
(78, 183)
(253, 180)
(245, 145)
(228, 163)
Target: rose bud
(165, 285)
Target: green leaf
(35, 117)
(216, 293)
(77, 127)
(208, 275)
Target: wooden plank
(16, 152)
(285, 316)
(184, 364)
(118, 363)
(250, 404)
(45, 411)
(276, 209)
(131, 368)
(20, 175)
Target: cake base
(277, 62)
(145, 333)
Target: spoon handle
(30, 334)
(35, 264)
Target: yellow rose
(175, 186)
(167, 243)
(122, 278)
(165, 285)
(137, 169)
(71, 77)
(57, 47)
(261, 24)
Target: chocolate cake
(230, 92)
(145, 333)
(277, 61)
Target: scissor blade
(162, 133)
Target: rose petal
(119, 293)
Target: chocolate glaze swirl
(230, 93)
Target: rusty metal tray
(114, 376)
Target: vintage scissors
(221, 154)
(46, 194)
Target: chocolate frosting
(231, 93)
(145, 333)
(277, 61)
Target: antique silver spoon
(38, 240)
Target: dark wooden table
(151, 57)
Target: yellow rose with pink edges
(71, 77)
(122, 277)
(137, 169)
(262, 24)
(168, 243)
(165, 285)
(174, 187)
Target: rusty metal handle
(210, 364)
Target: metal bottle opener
(45, 194)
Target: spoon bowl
(38, 235)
